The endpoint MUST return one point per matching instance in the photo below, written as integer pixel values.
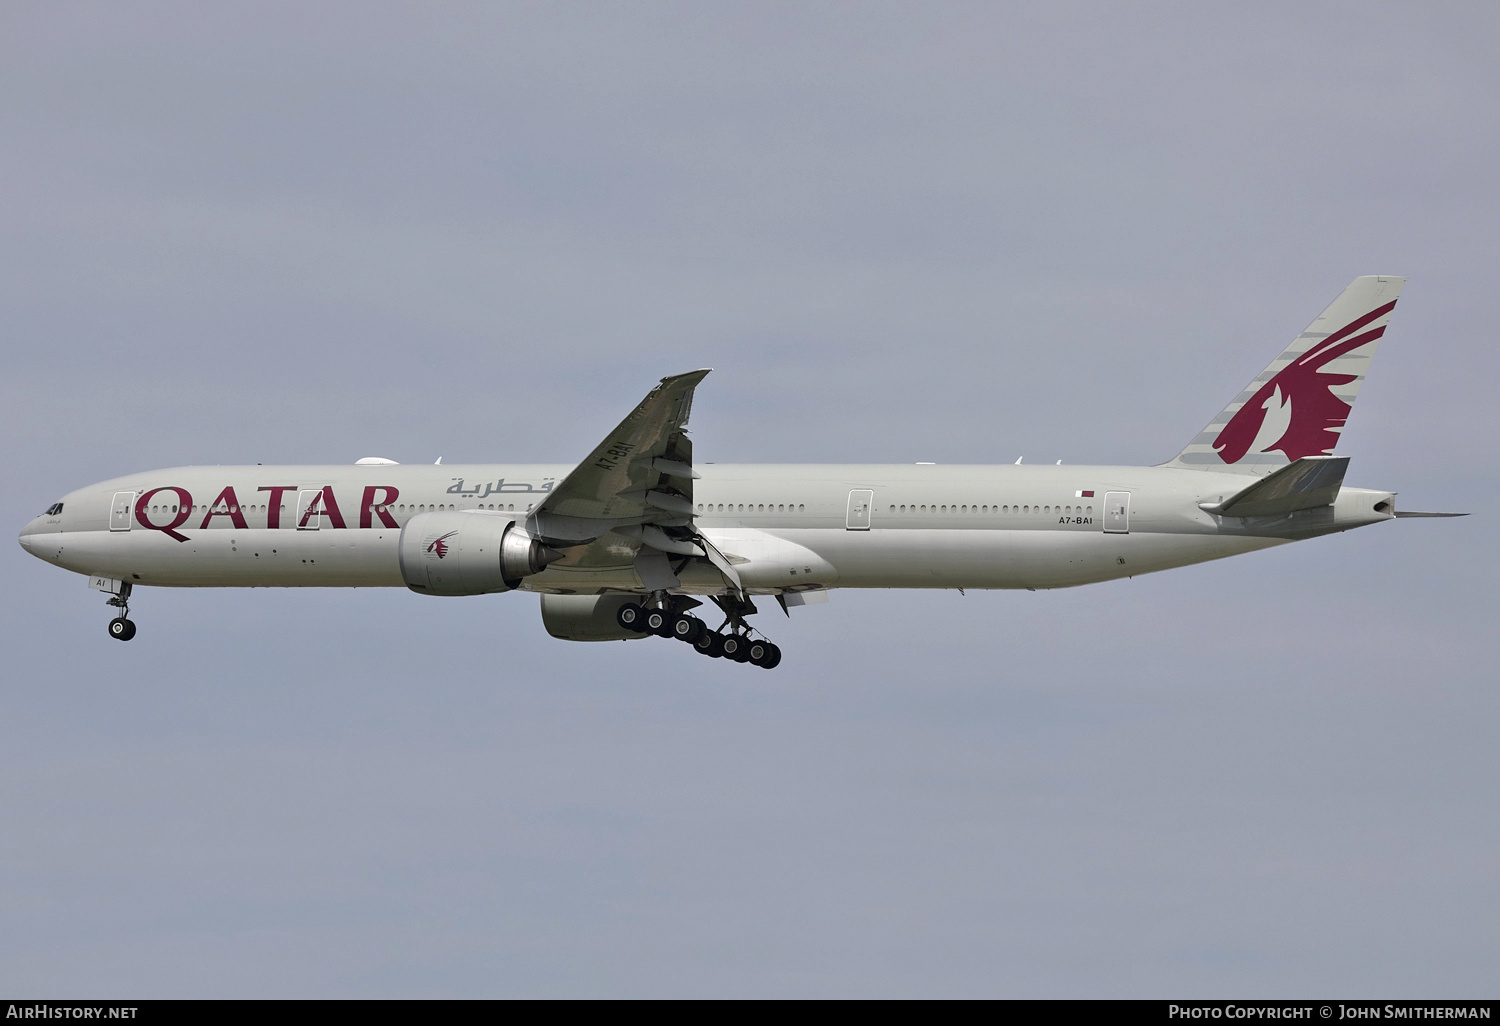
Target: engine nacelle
(468, 552)
(586, 617)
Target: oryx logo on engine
(439, 546)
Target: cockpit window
(53, 510)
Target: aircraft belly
(1008, 559)
(921, 558)
(891, 558)
(250, 558)
(911, 558)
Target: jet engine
(587, 617)
(468, 552)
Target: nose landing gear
(121, 628)
(667, 616)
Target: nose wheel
(121, 628)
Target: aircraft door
(307, 499)
(860, 502)
(1116, 512)
(120, 508)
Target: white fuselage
(785, 527)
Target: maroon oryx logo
(1300, 397)
(440, 545)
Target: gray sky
(951, 232)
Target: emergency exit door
(309, 515)
(860, 501)
(119, 511)
(1116, 512)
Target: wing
(630, 503)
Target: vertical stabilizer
(1298, 405)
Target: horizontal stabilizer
(1306, 484)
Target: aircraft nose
(28, 537)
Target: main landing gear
(121, 628)
(667, 616)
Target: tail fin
(1298, 405)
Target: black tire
(711, 644)
(630, 616)
(686, 627)
(772, 659)
(656, 621)
(757, 651)
(736, 648)
(129, 630)
(121, 629)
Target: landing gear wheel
(769, 658)
(736, 648)
(631, 617)
(711, 644)
(121, 629)
(686, 627)
(656, 621)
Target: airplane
(633, 539)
